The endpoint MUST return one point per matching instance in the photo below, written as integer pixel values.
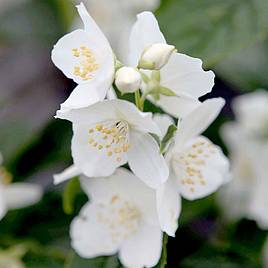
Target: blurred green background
(230, 36)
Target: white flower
(155, 56)
(128, 80)
(247, 140)
(111, 133)
(120, 217)
(108, 15)
(182, 74)
(86, 57)
(251, 112)
(197, 167)
(16, 195)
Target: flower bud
(156, 56)
(127, 80)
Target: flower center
(86, 63)
(191, 164)
(121, 218)
(111, 137)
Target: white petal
(198, 120)
(258, 207)
(145, 159)
(178, 106)
(142, 249)
(3, 207)
(89, 237)
(111, 94)
(111, 110)
(200, 169)
(251, 110)
(19, 195)
(67, 174)
(90, 159)
(168, 206)
(84, 95)
(163, 121)
(63, 57)
(103, 190)
(185, 75)
(90, 25)
(144, 32)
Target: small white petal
(198, 120)
(3, 207)
(177, 106)
(200, 169)
(185, 76)
(144, 33)
(89, 237)
(67, 174)
(142, 249)
(19, 195)
(163, 121)
(111, 95)
(169, 206)
(84, 95)
(145, 159)
(111, 110)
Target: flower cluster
(128, 210)
(247, 140)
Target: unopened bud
(127, 80)
(156, 56)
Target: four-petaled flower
(197, 167)
(120, 217)
(111, 133)
(86, 57)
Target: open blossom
(247, 141)
(86, 57)
(197, 166)
(16, 195)
(118, 220)
(182, 74)
(111, 133)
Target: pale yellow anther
(91, 130)
(117, 150)
(87, 64)
(109, 153)
(91, 141)
(95, 144)
(100, 147)
(99, 127)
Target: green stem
(163, 260)
(138, 100)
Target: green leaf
(169, 135)
(213, 29)
(70, 192)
